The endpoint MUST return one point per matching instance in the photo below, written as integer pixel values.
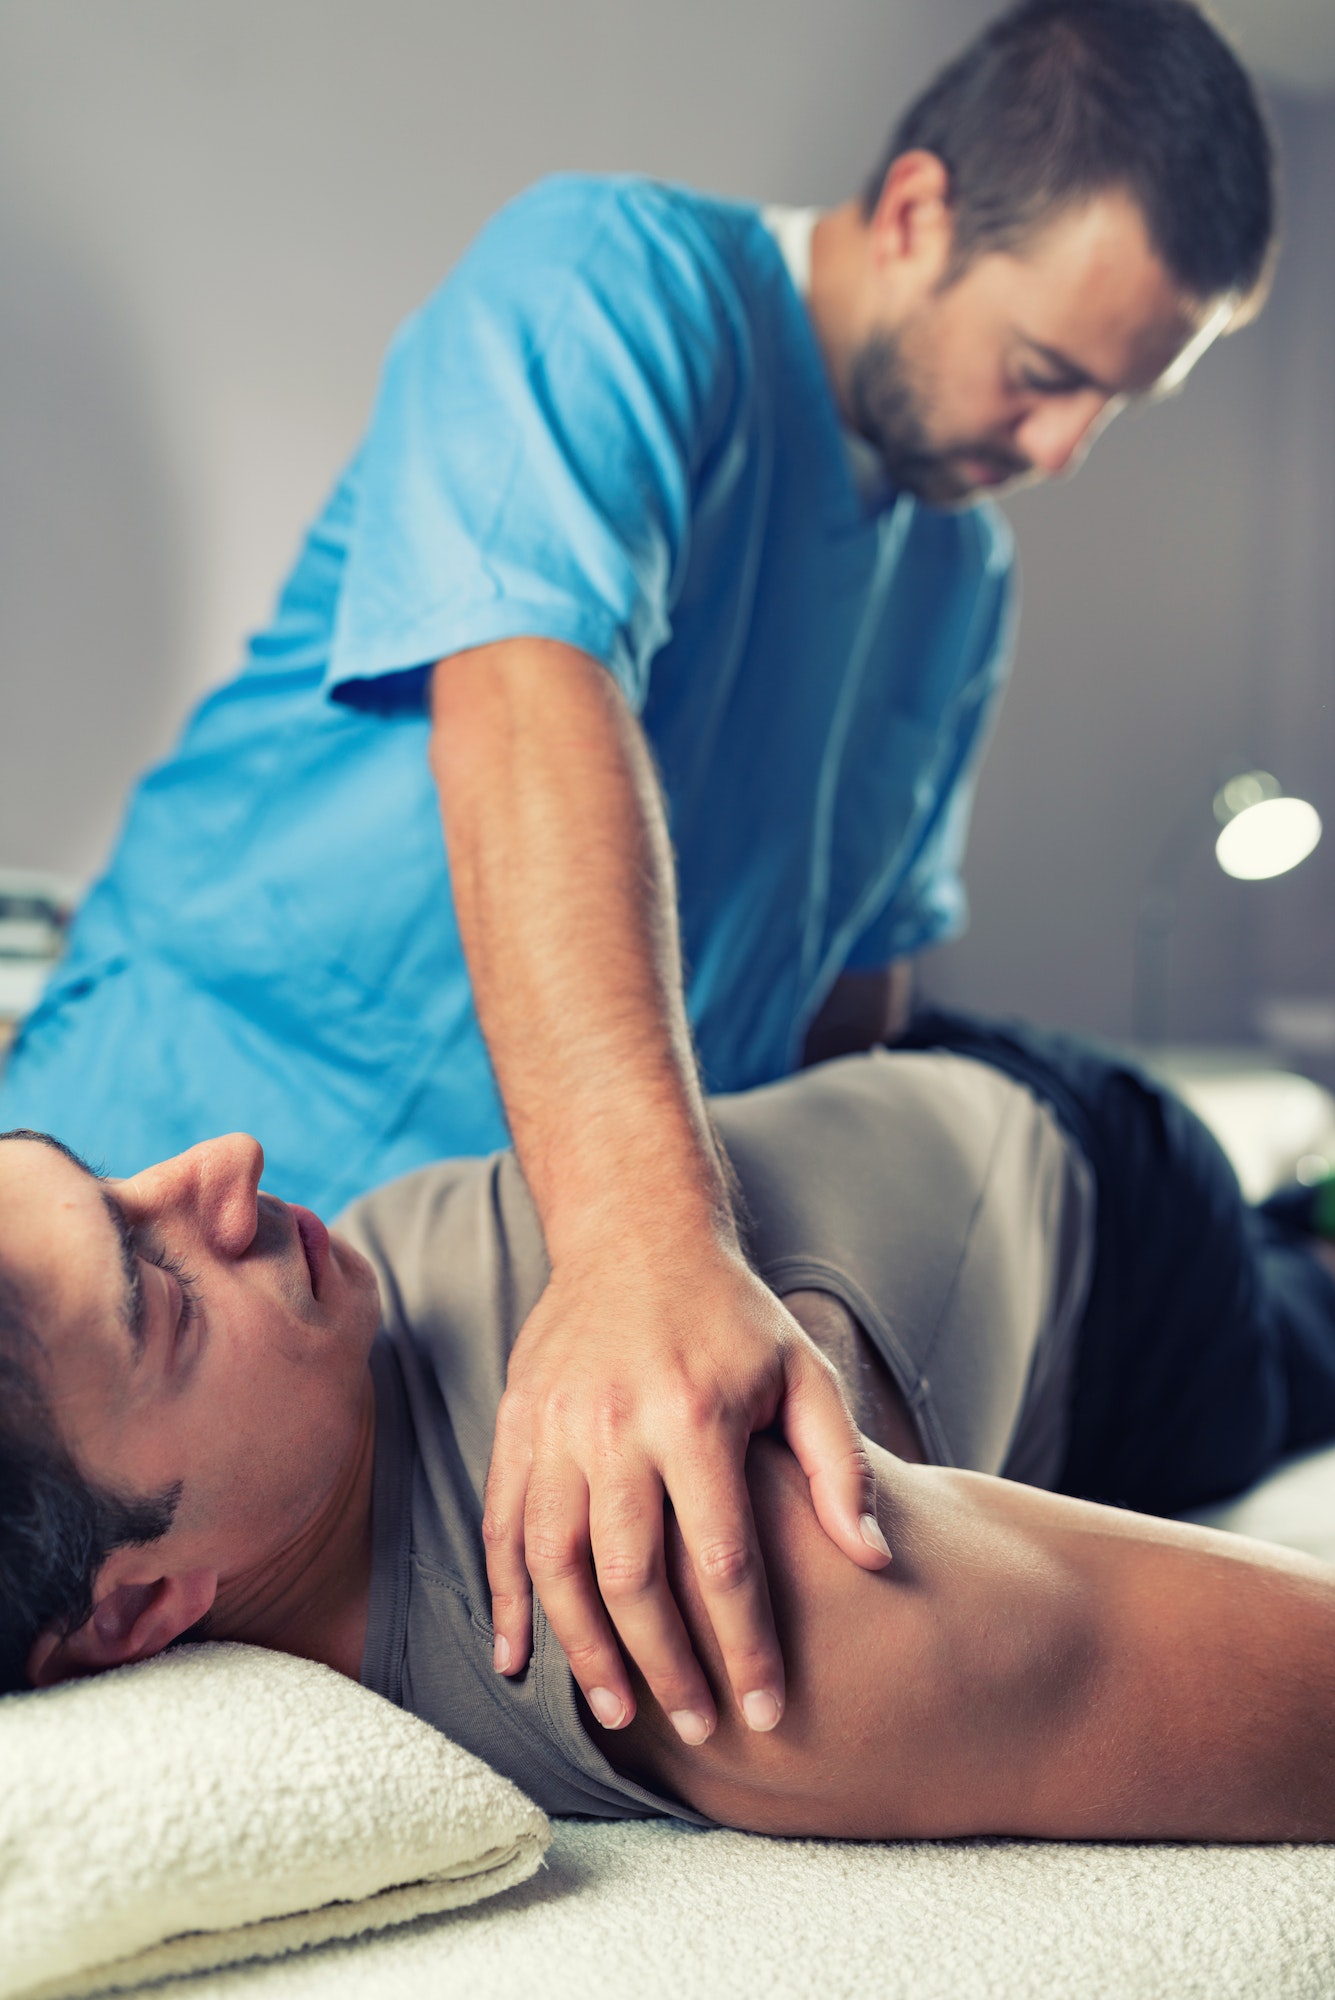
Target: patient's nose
(229, 1177)
(210, 1188)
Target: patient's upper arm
(915, 1695)
(1029, 1664)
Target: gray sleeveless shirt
(933, 1196)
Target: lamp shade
(1268, 838)
(1263, 832)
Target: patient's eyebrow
(132, 1294)
(133, 1305)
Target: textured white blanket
(224, 1803)
(651, 1913)
(661, 1914)
(310, 1810)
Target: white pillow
(222, 1803)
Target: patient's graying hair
(56, 1528)
(1059, 100)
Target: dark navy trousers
(1207, 1349)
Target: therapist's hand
(640, 1376)
(654, 1352)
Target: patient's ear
(130, 1621)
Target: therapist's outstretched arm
(655, 1351)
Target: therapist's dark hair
(1059, 100)
(56, 1527)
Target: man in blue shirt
(608, 591)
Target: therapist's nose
(1057, 434)
(209, 1190)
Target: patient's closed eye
(184, 1286)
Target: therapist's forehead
(1091, 283)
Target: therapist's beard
(891, 413)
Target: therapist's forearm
(655, 1352)
(563, 885)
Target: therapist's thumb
(827, 1444)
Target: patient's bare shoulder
(1029, 1664)
(904, 1717)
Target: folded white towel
(223, 1803)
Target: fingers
(503, 1539)
(539, 1526)
(713, 1508)
(556, 1540)
(536, 1535)
(626, 1530)
(625, 1595)
(830, 1449)
(593, 1433)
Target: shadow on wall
(88, 561)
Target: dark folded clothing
(1207, 1350)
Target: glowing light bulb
(1268, 838)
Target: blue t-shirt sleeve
(930, 905)
(539, 427)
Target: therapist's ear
(130, 1621)
(912, 226)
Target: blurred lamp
(1262, 833)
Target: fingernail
(609, 1708)
(760, 1709)
(501, 1654)
(692, 1727)
(872, 1536)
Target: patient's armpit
(878, 1407)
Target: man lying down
(1034, 1273)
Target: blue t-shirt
(610, 426)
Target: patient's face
(193, 1330)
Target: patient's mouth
(314, 1241)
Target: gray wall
(212, 215)
(1179, 616)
